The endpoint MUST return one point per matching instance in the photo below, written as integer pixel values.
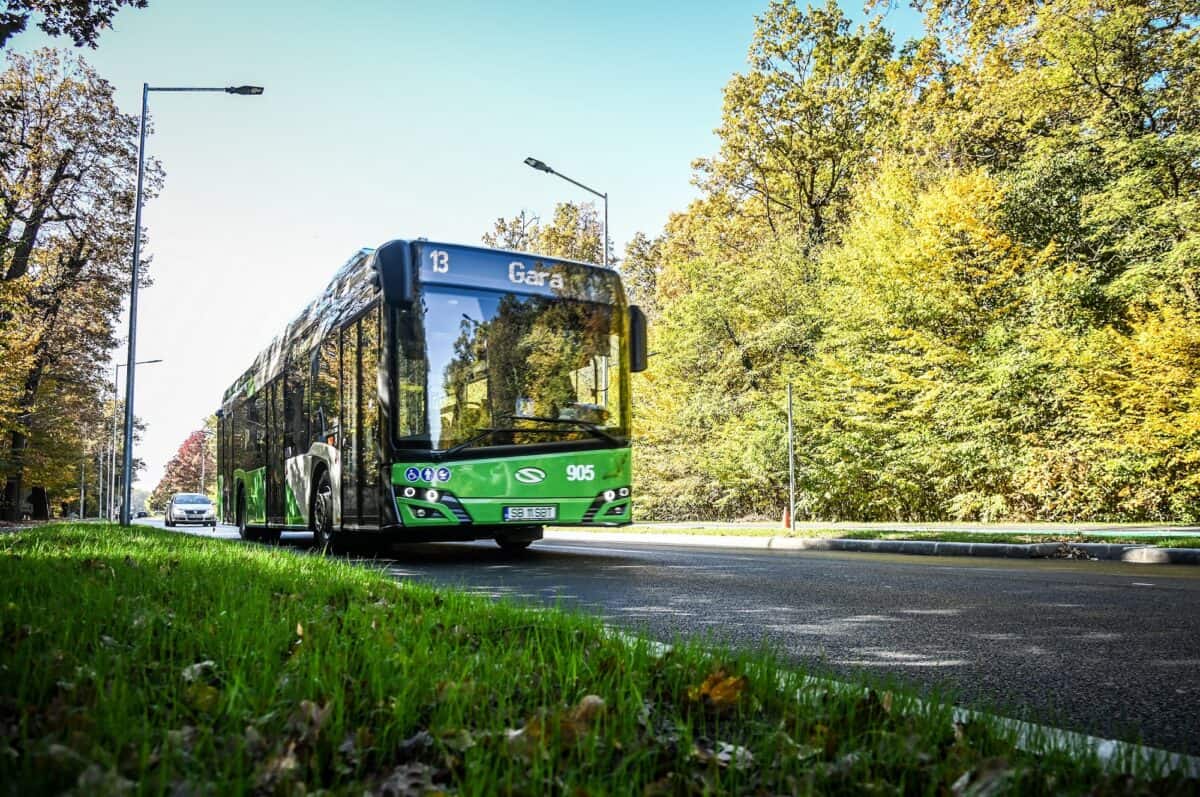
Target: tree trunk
(14, 484)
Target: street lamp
(112, 464)
(127, 464)
(534, 163)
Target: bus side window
(410, 374)
(256, 429)
(244, 441)
(295, 386)
(325, 392)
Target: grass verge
(735, 530)
(137, 661)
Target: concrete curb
(1140, 554)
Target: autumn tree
(573, 233)
(798, 127)
(193, 469)
(82, 20)
(67, 181)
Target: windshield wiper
(484, 433)
(588, 425)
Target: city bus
(434, 392)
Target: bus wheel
(323, 534)
(243, 530)
(513, 546)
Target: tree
(574, 233)
(67, 181)
(192, 465)
(640, 269)
(799, 127)
(82, 20)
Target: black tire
(514, 546)
(170, 525)
(324, 535)
(244, 531)
(212, 525)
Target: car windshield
(540, 368)
(191, 498)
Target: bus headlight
(409, 492)
(432, 496)
(610, 495)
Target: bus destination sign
(515, 273)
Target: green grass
(138, 661)
(735, 530)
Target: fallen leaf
(278, 770)
(990, 778)
(202, 697)
(527, 741)
(723, 754)
(578, 723)
(409, 780)
(414, 747)
(256, 745)
(201, 670)
(307, 720)
(720, 691)
(101, 782)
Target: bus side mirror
(637, 339)
(394, 260)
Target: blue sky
(385, 120)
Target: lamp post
(534, 163)
(127, 464)
(111, 504)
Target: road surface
(1107, 648)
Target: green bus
(438, 392)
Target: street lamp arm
(581, 185)
(248, 90)
(541, 166)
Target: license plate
(530, 512)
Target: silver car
(191, 508)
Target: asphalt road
(1106, 648)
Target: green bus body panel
(255, 482)
(294, 516)
(485, 486)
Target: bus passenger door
(370, 450)
(350, 427)
(276, 512)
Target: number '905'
(581, 473)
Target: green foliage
(802, 122)
(82, 20)
(67, 181)
(977, 260)
(573, 234)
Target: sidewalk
(809, 528)
(762, 539)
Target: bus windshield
(505, 369)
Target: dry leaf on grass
(571, 726)
(720, 691)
